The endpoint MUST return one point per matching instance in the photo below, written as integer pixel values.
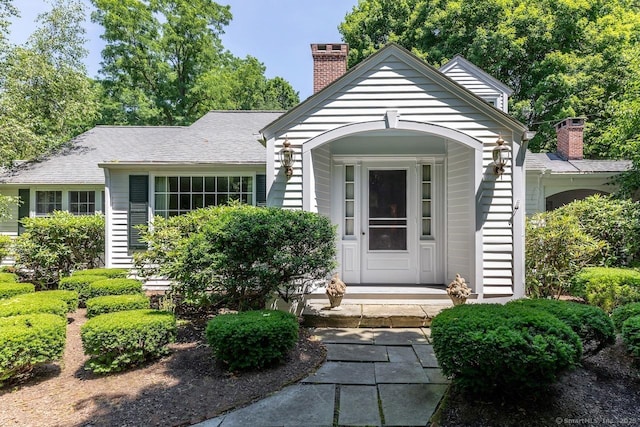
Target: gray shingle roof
(219, 137)
(555, 164)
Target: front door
(389, 227)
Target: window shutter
(138, 208)
(24, 208)
(261, 190)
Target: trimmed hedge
(113, 303)
(114, 287)
(116, 341)
(11, 289)
(111, 273)
(624, 312)
(252, 339)
(32, 303)
(493, 348)
(631, 335)
(29, 340)
(69, 297)
(79, 284)
(607, 288)
(592, 324)
(8, 277)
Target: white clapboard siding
(321, 159)
(120, 256)
(460, 217)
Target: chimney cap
(574, 122)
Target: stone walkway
(372, 377)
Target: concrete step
(372, 315)
(386, 294)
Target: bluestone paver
(399, 354)
(344, 335)
(409, 404)
(356, 353)
(436, 376)
(399, 336)
(359, 406)
(400, 373)
(426, 355)
(344, 373)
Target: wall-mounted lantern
(286, 158)
(501, 154)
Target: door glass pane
(388, 210)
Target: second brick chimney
(570, 138)
(329, 63)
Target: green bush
(114, 287)
(111, 273)
(5, 247)
(607, 288)
(11, 289)
(32, 303)
(631, 335)
(51, 247)
(79, 284)
(492, 348)
(112, 303)
(117, 341)
(592, 324)
(243, 254)
(8, 277)
(69, 297)
(29, 340)
(252, 339)
(622, 313)
(556, 248)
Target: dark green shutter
(261, 190)
(138, 208)
(23, 210)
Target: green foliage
(241, 254)
(29, 340)
(117, 341)
(111, 273)
(607, 288)
(113, 303)
(556, 248)
(51, 247)
(631, 335)
(6, 203)
(615, 222)
(11, 289)
(592, 324)
(80, 284)
(562, 59)
(622, 313)
(164, 63)
(114, 287)
(32, 303)
(8, 277)
(491, 348)
(252, 339)
(70, 297)
(5, 244)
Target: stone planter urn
(335, 290)
(458, 290)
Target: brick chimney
(569, 133)
(329, 63)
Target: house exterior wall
(393, 90)
(476, 85)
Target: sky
(277, 32)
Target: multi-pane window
(426, 201)
(82, 202)
(47, 202)
(175, 195)
(349, 200)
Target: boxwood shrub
(79, 284)
(8, 277)
(112, 303)
(69, 297)
(607, 288)
(117, 341)
(10, 289)
(29, 340)
(631, 335)
(252, 339)
(32, 303)
(624, 312)
(493, 348)
(114, 287)
(111, 273)
(592, 324)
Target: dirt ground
(186, 387)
